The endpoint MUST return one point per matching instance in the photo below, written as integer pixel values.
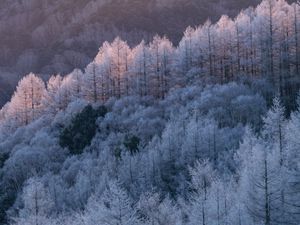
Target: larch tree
(274, 133)
(274, 128)
(293, 156)
(92, 83)
(266, 12)
(225, 52)
(120, 59)
(202, 178)
(296, 10)
(140, 69)
(207, 48)
(113, 207)
(160, 50)
(260, 185)
(66, 92)
(155, 211)
(284, 48)
(187, 43)
(37, 205)
(26, 103)
(185, 54)
(77, 82)
(53, 100)
(106, 81)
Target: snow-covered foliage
(157, 134)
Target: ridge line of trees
(260, 42)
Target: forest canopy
(206, 131)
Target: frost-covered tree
(292, 147)
(77, 78)
(37, 205)
(161, 52)
(26, 103)
(140, 68)
(274, 127)
(261, 183)
(155, 211)
(120, 58)
(92, 83)
(113, 207)
(186, 50)
(53, 99)
(202, 178)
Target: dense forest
(203, 131)
(56, 36)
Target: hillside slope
(56, 36)
(206, 131)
